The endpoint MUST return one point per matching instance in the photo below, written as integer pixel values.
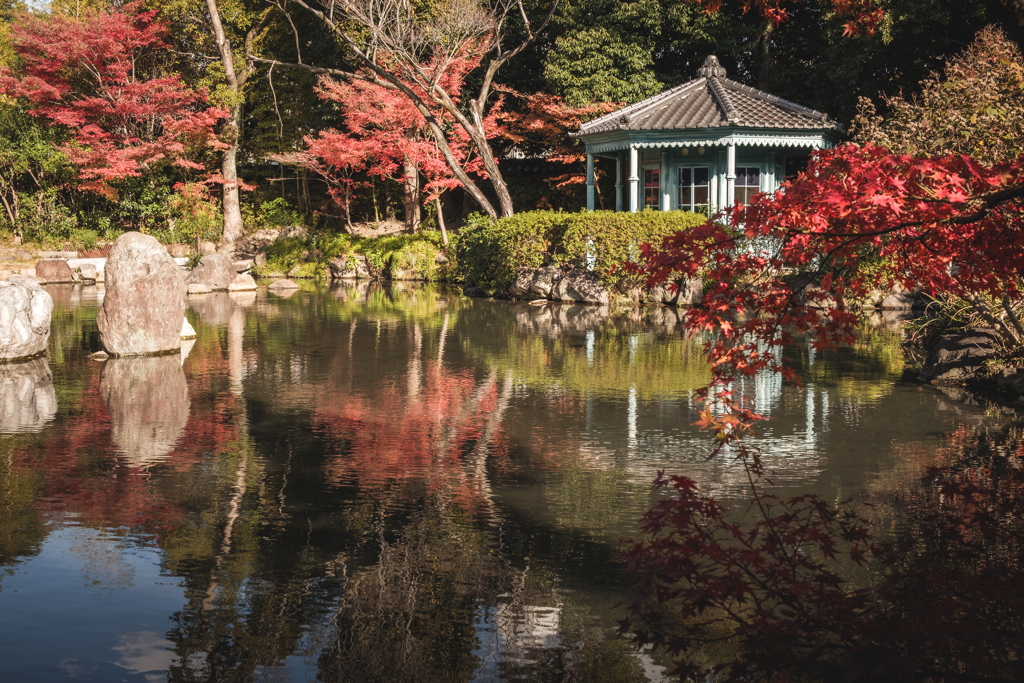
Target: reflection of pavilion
(511, 634)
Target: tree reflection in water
(374, 484)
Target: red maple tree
(99, 76)
(863, 16)
(387, 136)
(859, 218)
(542, 124)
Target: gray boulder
(898, 301)
(207, 248)
(88, 271)
(178, 250)
(581, 286)
(283, 284)
(250, 244)
(544, 281)
(216, 271)
(27, 397)
(148, 403)
(522, 282)
(54, 270)
(25, 310)
(145, 298)
(243, 282)
(960, 358)
(688, 292)
(351, 267)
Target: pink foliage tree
(387, 136)
(98, 76)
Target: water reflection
(27, 398)
(382, 484)
(213, 308)
(148, 402)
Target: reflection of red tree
(976, 486)
(82, 475)
(436, 434)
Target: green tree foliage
(976, 109)
(31, 172)
(809, 60)
(612, 51)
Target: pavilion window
(748, 183)
(652, 188)
(695, 189)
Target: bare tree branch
(421, 48)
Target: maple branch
(436, 129)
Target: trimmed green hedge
(488, 253)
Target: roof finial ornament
(711, 68)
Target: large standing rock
(960, 358)
(27, 397)
(148, 403)
(145, 298)
(582, 286)
(25, 310)
(54, 270)
(216, 271)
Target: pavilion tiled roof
(710, 101)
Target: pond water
(384, 484)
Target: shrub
(278, 213)
(195, 212)
(395, 255)
(488, 253)
(387, 256)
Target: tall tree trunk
(389, 205)
(234, 230)
(233, 227)
(444, 232)
(411, 183)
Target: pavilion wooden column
(666, 188)
(590, 181)
(730, 174)
(618, 180)
(634, 179)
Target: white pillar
(634, 179)
(730, 174)
(590, 181)
(666, 190)
(618, 180)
